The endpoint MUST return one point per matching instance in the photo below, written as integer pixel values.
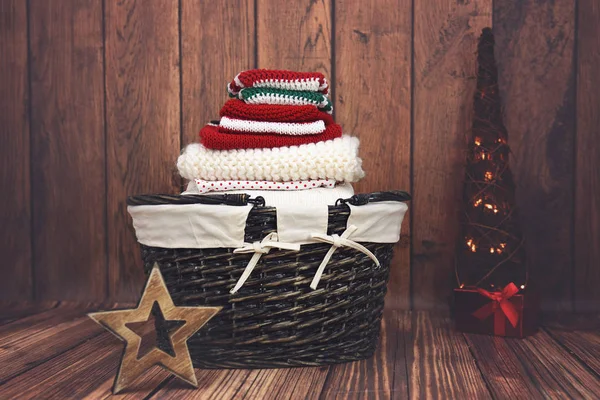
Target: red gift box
(505, 312)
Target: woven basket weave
(276, 319)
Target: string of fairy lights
(482, 200)
(481, 153)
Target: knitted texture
(333, 159)
(279, 79)
(235, 108)
(234, 125)
(285, 97)
(212, 137)
(224, 186)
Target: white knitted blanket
(333, 159)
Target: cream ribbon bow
(338, 241)
(259, 248)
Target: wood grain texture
(213, 51)
(555, 374)
(290, 383)
(141, 388)
(373, 55)
(67, 149)
(445, 42)
(143, 123)
(585, 345)
(382, 376)
(24, 351)
(587, 166)
(294, 35)
(57, 211)
(36, 323)
(441, 364)
(502, 370)
(128, 325)
(534, 50)
(13, 310)
(213, 384)
(15, 208)
(68, 375)
(65, 355)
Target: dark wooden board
(67, 150)
(294, 35)
(212, 384)
(534, 51)
(585, 345)
(442, 365)
(141, 388)
(383, 375)
(15, 208)
(11, 311)
(217, 42)
(24, 351)
(143, 123)
(63, 354)
(69, 375)
(502, 370)
(38, 322)
(553, 370)
(372, 100)
(422, 353)
(291, 383)
(444, 56)
(587, 166)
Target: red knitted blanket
(273, 113)
(212, 138)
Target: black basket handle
(243, 199)
(240, 199)
(366, 198)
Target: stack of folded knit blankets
(276, 134)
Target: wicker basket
(277, 320)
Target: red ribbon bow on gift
(501, 307)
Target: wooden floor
(54, 351)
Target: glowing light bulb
(477, 141)
(489, 176)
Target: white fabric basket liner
(201, 226)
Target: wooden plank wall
(15, 183)
(587, 173)
(445, 43)
(68, 163)
(536, 41)
(99, 97)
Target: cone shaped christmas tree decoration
(490, 249)
(490, 264)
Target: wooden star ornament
(189, 319)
